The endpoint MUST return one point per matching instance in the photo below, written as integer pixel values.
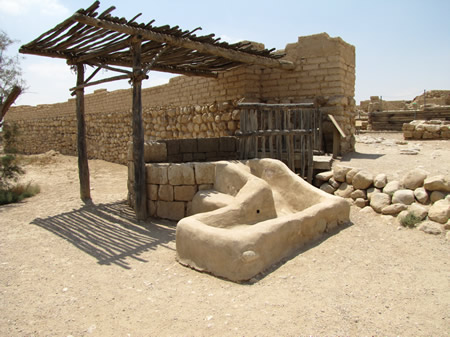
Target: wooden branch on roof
(206, 48)
(105, 80)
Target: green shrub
(18, 192)
(410, 220)
(10, 171)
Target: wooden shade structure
(107, 42)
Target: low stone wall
(171, 187)
(433, 129)
(176, 169)
(416, 198)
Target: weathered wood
(4, 107)
(140, 189)
(336, 125)
(336, 143)
(83, 166)
(186, 43)
(289, 130)
(105, 80)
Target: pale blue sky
(402, 47)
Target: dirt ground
(67, 269)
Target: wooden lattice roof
(102, 39)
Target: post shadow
(109, 232)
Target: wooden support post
(83, 167)
(138, 133)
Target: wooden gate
(288, 132)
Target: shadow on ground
(109, 232)
(359, 155)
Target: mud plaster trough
(257, 213)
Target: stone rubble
(416, 199)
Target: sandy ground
(67, 269)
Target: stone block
(188, 145)
(208, 145)
(155, 152)
(173, 146)
(185, 192)
(205, 173)
(152, 192)
(151, 207)
(187, 157)
(199, 156)
(227, 144)
(181, 174)
(172, 210)
(157, 173)
(165, 192)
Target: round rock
(430, 227)
(379, 201)
(362, 180)
(418, 211)
(414, 178)
(380, 180)
(437, 183)
(436, 196)
(351, 174)
(440, 211)
(421, 195)
(391, 187)
(358, 194)
(371, 191)
(345, 190)
(405, 197)
(327, 188)
(393, 209)
(340, 172)
(360, 202)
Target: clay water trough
(258, 213)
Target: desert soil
(69, 269)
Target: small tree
(11, 82)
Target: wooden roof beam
(206, 48)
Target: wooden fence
(288, 132)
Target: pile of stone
(416, 198)
(432, 129)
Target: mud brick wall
(196, 107)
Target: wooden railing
(288, 132)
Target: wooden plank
(83, 166)
(336, 124)
(206, 48)
(138, 135)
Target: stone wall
(175, 172)
(433, 129)
(196, 107)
